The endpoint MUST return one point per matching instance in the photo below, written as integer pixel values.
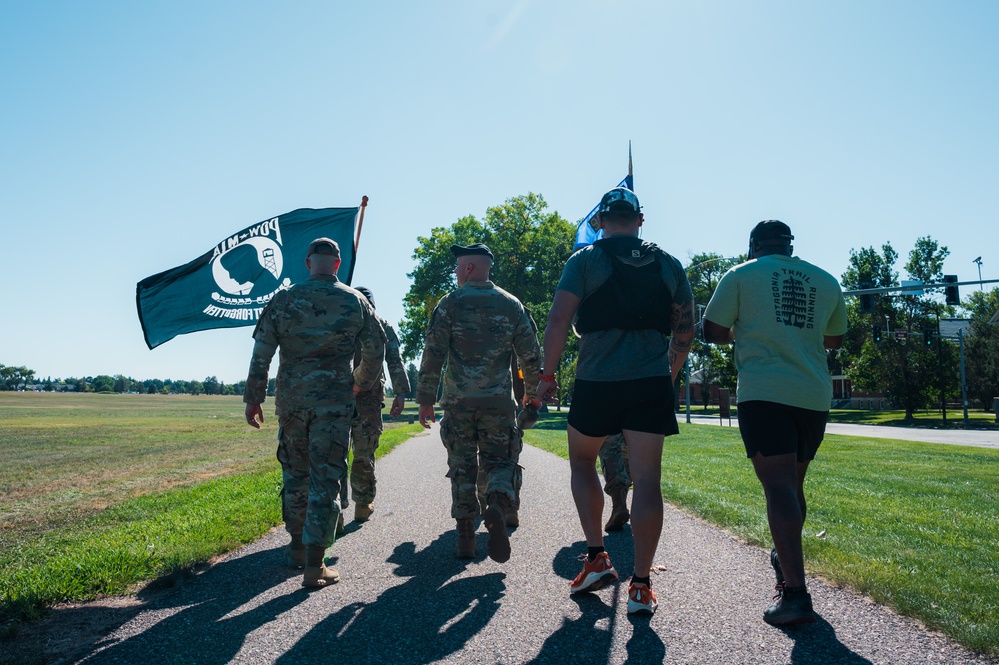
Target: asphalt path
(981, 438)
(405, 598)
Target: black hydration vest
(635, 297)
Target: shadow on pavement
(817, 643)
(206, 629)
(589, 638)
(424, 619)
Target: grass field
(99, 492)
(912, 525)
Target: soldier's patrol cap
(366, 292)
(325, 246)
(619, 199)
(771, 232)
(471, 250)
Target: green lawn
(111, 490)
(912, 525)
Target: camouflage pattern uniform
(317, 325)
(614, 462)
(366, 427)
(475, 329)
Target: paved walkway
(404, 598)
(982, 438)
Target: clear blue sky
(134, 136)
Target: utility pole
(979, 262)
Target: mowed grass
(100, 492)
(912, 525)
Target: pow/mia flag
(229, 285)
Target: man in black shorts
(782, 313)
(627, 297)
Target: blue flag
(229, 285)
(587, 230)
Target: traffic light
(866, 300)
(951, 292)
(876, 332)
(928, 336)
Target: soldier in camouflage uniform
(317, 324)
(367, 425)
(614, 463)
(475, 329)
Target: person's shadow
(589, 638)
(817, 643)
(424, 619)
(204, 624)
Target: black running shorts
(772, 429)
(602, 408)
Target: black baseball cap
(619, 199)
(771, 231)
(478, 249)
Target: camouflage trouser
(312, 449)
(365, 430)
(482, 443)
(482, 481)
(614, 461)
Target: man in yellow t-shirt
(782, 313)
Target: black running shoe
(792, 606)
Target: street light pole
(979, 262)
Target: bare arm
(832, 341)
(717, 334)
(560, 317)
(682, 327)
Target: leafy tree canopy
(530, 246)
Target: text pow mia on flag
(229, 285)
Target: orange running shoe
(595, 575)
(641, 599)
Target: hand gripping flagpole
(360, 224)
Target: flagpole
(360, 224)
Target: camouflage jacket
(317, 325)
(393, 358)
(476, 329)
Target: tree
(716, 363)
(981, 347)
(195, 387)
(530, 246)
(211, 386)
(414, 375)
(102, 383)
(901, 365)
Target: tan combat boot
(495, 521)
(466, 539)
(295, 554)
(362, 511)
(619, 510)
(317, 575)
